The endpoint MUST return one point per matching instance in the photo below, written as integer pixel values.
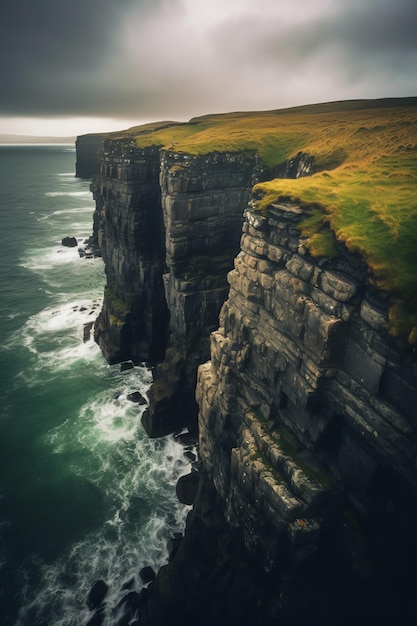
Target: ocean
(84, 493)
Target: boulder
(126, 365)
(70, 242)
(87, 331)
(147, 574)
(137, 397)
(186, 438)
(186, 488)
(97, 594)
(190, 456)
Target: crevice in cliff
(202, 199)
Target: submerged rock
(96, 620)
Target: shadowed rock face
(168, 226)
(308, 444)
(129, 231)
(297, 383)
(88, 149)
(202, 200)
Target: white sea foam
(75, 194)
(55, 336)
(47, 258)
(61, 212)
(138, 473)
(44, 258)
(63, 316)
(12, 316)
(135, 475)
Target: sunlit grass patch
(372, 208)
(364, 188)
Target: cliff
(306, 505)
(128, 230)
(168, 227)
(202, 198)
(88, 155)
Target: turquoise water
(84, 494)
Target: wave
(85, 210)
(136, 476)
(55, 335)
(75, 194)
(47, 258)
(60, 212)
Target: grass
(364, 189)
(118, 308)
(370, 204)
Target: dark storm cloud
(170, 58)
(51, 50)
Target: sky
(69, 67)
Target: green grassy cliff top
(365, 185)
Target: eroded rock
(97, 594)
(70, 242)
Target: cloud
(52, 52)
(153, 59)
(342, 44)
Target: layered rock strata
(202, 199)
(168, 226)
(129, 231)
(307, 506)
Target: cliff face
(307, 502)
(128, 230)
(304, 388)
(168, 226)
(88, 155)
(202, 199)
